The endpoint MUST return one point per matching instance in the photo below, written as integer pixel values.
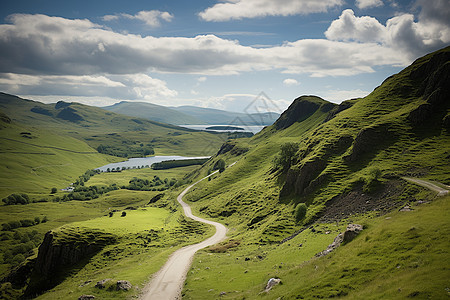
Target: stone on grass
(101, 284)
(123, 285)
(86, 297)
(271, 283)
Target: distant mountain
(222, 117)
(190, 115)
(153, 112)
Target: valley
(284, 195)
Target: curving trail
(430, 185)
(168, 282)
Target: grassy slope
(246, 196)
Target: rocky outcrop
(337, 109)
(434, 77)
(232, 148)
(350, 233)
(123, 285)
(62, 250)
(368, 139)
(299, 178)
(86, 297)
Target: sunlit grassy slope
(400, 129)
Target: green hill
(347, 166)
(153, 112)
(50, 145)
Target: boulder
(123, 285)
(101, 284)
(351, 232)
(86, 297)
(271, 283)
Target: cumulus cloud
(290, 82)
(363, 4)
(80, 47)
(135, 86)
(240, 9)
(401, 33)
(152, 18)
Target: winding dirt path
(168, 282)
(429, 185)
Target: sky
(208, 53)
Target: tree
(300, 212)
(54, 190)
(219, 165)
(124, 214)
(287, 155)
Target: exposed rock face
(337, 109)
(101, 284)
(299, 178)
(434, 77)
(230, 146)
(350, 233)
(60, 251)
(368, 139)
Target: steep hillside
(153, 112)
(347, 164)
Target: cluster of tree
(156, 184)
(23, 223)
(168, 164)
(16, 199)
(85, 177)
(126, 150)
(20, 246)
(84, 193)
(119, 169)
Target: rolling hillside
(39, 141)
(347, 166)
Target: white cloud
(79, 47)
(290, 82)
(351, 28)
(240, 9)
(363, 4)
(135, 86)
(337, 96)
(401, 33)
(152, 18)
(201, 79)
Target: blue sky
(219, 54)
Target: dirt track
(168, 282)
(429, 185)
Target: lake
(144, 161)
(254, 129)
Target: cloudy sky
(211, 53)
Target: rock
(406, 208)
(351, 232)
(86, 297)
(271, 283)
(247, 259)
(222, 293)
(123, 285)
(101, 284)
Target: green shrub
(287, 156)
(300, 212)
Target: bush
(300, 212)
(286, 157)
(54, 190)
(124, 214)
(219, 165)
(16, 199)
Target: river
(143, 161)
